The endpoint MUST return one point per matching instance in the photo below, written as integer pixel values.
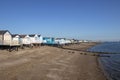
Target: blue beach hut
(48, 40)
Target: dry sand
(50, 63)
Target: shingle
(22, 36)
(32, 35)
(13, 35)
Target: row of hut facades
(9, 39)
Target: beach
(51, 63)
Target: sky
(79, 19)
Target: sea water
(111, 65)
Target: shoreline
(104, 72)
(50, 63)
(97, 55)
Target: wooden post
(16, 48)
(10, 49)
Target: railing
(5, 42)
(9, 42)
(15, 42)
(36, 41)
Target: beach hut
(68, 41)
(5, 37)
(35, 39)
(61, 41)
(16, 38)
(7, 42)
(48, 40)
(25, 40)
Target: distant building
(61, 41)
(83, 41)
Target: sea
(111, 64)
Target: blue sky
(81, 19)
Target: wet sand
(50, 63)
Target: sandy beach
(50, 63)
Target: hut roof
(2, 32)
(60, 38)
(48, 37)
(39, 35)
(14, 35)
(22, 36)
(32, 35)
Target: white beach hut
(25, 39)
(5, 37)
(61, 41)
(68, 41)
(16, 38)
(35, 39)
